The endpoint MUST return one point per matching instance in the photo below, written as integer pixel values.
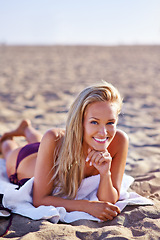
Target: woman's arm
(110, 184)
(111, 169)
(43, 186)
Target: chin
(101, 148)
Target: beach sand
(40, 83)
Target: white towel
(20, 201)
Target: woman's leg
(26, 130)
(9, 147)
(10, 150)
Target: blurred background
(96, 22)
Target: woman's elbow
(117, 196)
(37, 201)
(114, 199)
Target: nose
(103, 131)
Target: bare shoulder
(52, 138)
(121, 136)
(54, 134)
(119, 143)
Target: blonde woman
(90, 145)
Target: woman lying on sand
(60, 159)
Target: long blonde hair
(69, 165)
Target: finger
(106, 216)
(118, 210)
(103, 218)
(110, 212)
(107, 156)
(89, 150)
(98, 158)
(114, 208)
(91, 153)
(91, 156)
(104, 160)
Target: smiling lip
(101, 140)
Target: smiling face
(99, 125)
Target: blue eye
(94, 122)
(110, 123)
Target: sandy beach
(40, 83)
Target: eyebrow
(94, 118)
(114, 119)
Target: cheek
(112, 130)
(86, 130)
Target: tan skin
(106, 158)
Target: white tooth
(101, 140)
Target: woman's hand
(103, 210)
(100, 160)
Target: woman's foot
(18, 132)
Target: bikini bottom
(23, 153)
